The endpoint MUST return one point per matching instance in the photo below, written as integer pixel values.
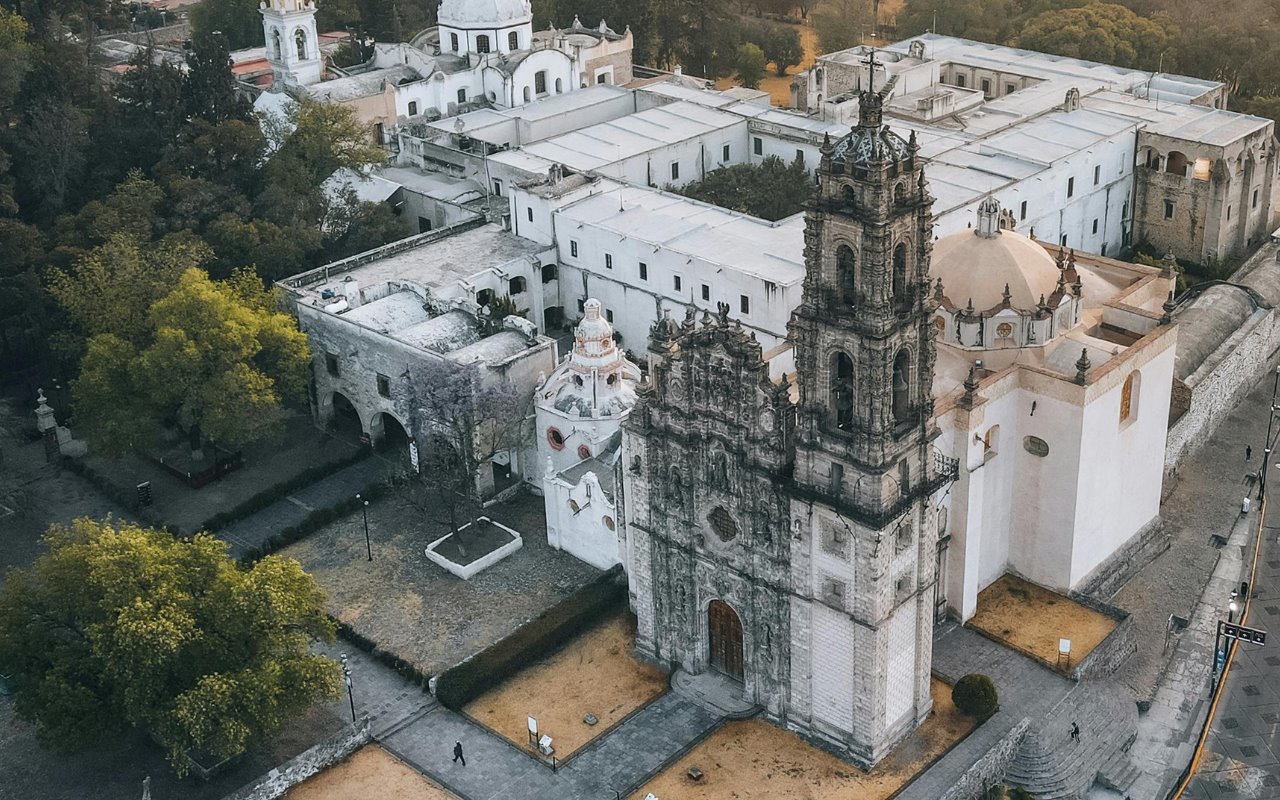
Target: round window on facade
(1004, 330)
(584, 451)
(940, 324)
(1035, 446)
(555, 438)
(608, 523)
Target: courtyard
(1032, 619)
(417, 610)
(372, 773)
(754, 760)
(594, 674)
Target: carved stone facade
(805, 509)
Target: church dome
(978, 264)
(484, 13)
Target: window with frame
(1097, 174)
(513, 41)
(482, 43)
(706, 292)
(1254, 202)
(1022, 210)
(1095, 225)
(529, 213)
(549, 273)
(1168, 209)
(516, 285)
(724, 153)
(675, 282)
(644, 271)
(675, 170)
(1129, 394)
(462, 96)
(744, 304)
(573, 248)
(608, 315)
(331, 364)
(453, 42)
(608, 260)
(1071, 187)
(757, 145)
(413, 108)
(497, 186)
(384, 385)
(986, 86)
(540, 82)
(1010, 88)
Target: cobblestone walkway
(256, 528)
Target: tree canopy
(771, 190)
(1105, 32)
(119, 627)
(215, 360)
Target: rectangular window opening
(384, 385)
(1071, 187)
(644, 271)
(706, 292)
(744, 304)
(608, 261)
(1168, 209)
(757, 145)
(675, 282)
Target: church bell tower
(293, 45)
(865, 533)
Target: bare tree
(466, 421)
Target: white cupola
(477, 27)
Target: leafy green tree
(132, 209)
(238, 20)
(214, 365)
(229, 153)
(750, 64)
(120, 627)
(276, 251)
(1105, 32)
(771, 190)
(151, 109)
(210, 89)
(983, 20)
(782, 46)
(49, 149)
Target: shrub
(975, 695)
(537, 638)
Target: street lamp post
(346, 677)
(1232, 608)
(364, 509)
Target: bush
(975, 696)
(536, 639)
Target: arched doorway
(389, 436)
(345, 420)
(725, 636)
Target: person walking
(457, 753)
(1248, 452)
(1075, 734)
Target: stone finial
(45, 420)
(577, 23)
(1061, 258)
(1078, 287)
(937, 290)
(968, 309)
(1042, 305)
(970, 387)
(1006, 297)
(1168, 266)
(1061, 288)
(550, 469)
(1071, 258)
(1083, 365)
(1168, 307)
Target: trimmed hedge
(280, 490)
(975, 696)
(537, 638)
(385, 657)
(313, 522)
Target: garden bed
(474, 546)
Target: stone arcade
(782, 534)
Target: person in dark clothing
(457, 753)
(1075, 734)
(1248, 452)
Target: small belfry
(293, 45)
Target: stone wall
(1217, 389)
(289, 774)
(1121, 643)
(1109, 576)
(989, 770)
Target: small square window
(424, 224)
(608, 315)
(573, 248)
(724, 153)
(1071, 187)
(744, 304)
(1022, 210)
(757, 145)
(384, 385)
(675, 282)
(1168, 209)
(1095, 225)
(706, 292)
(608, 261)
(644, 271)
(1097, 174)
(1010, 88)
(331, 364)
(675, 170)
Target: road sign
(1233, 631)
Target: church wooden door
(726, 639)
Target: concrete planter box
(465, 571)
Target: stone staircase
(1052, 766)
(388, 718)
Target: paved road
(1242, 754)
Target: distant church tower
(865, 535)
(293, 46)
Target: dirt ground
(1032, 619)
(753, 760)
(370, 773)
(779, 88)
(594, 674)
